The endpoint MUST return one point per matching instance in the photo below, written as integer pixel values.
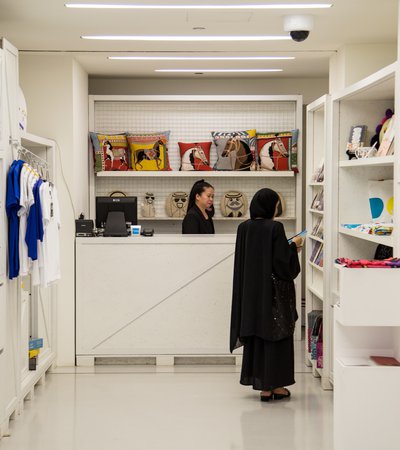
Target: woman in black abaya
(261, 250)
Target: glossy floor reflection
(180, 409)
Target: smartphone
(301, 234)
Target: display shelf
(191, 118)
(385, 240)
(315, 211)
(366, 307)
(376, 87)
(367, 297)
(316, 292)
(198, 174)
(321, 269)
(366, 162)
(33, 141)
(315, 238)
(317, 278)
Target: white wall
(80, 126)
(309, 88)
(55, 88)
(355, 62)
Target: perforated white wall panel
(191, 121)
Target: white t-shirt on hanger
(49, 249)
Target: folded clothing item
(389, 263)
(378, 228)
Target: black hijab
(261, 250)
(264, 204)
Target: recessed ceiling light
(201, 6)
(201, 58)
(217, 70)
(190, 38)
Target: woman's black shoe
(281, 396)
(266, 398)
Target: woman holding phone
(262, 251)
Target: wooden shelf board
(198, 174)
(386, 240)
(315, 183)
(378, 86)
(315, 291)
(315, 211)
(321, 269)
(365, 162)
(315, 238)
(33, 141)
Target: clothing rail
(37, 163)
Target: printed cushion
(149, 151)
(176, 204)
(234, 150)
(110, 152)
(195, 156)
(234, 204)
(277, 150)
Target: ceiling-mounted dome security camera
(299, 27)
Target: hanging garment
(28, 179)
(34, 233)
(12, 207)
(49, 248)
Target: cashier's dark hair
(198, 188)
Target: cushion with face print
(176, 204)
(148, 205)
(234, 204)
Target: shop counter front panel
(163, 295)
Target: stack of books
(34, 348)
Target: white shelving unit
(191, 118)
(367, 311)
(317, 278)
(24, 311)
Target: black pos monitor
(112, 214)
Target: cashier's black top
(195, 222)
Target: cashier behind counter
(198, 219)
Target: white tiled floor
(183, 408)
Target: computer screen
(104, 205)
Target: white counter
(160, 295)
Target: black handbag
(284, 313)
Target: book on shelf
(385, 361)
(318, 230)
(318, 201)
(386, 148)
(316, 249)
(356, 138)
(35, 344)
(319, 260)
(318, 175)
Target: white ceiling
(47, 26)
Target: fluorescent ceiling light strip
(201, 6)
(201, 58)
(217, 70)
(189, 38)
